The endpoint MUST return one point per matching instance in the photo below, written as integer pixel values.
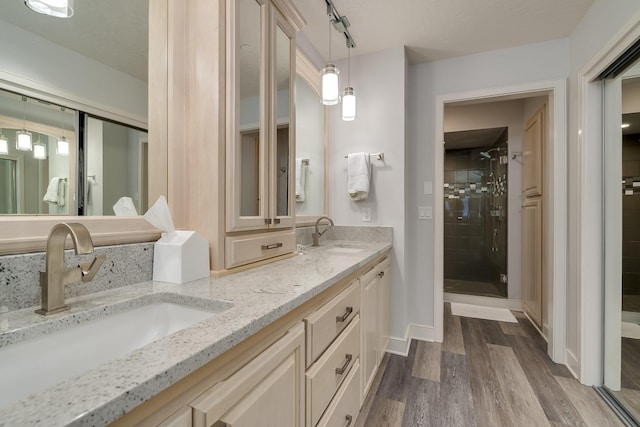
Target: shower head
(486, 154)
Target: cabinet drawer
(324, 325)
(242, 250)
(326, 375)
(345, 406)
(180, 418)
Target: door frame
(555, 214)
(591, 239)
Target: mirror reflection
(249, 91)
(36, 156)
(310, 150)
(105, 45)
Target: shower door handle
(459, 218)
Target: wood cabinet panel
(274, 380)
(344, 409)
(325, 376)
(369, 310)
(532, 259)
(324, 325)
(384, 319)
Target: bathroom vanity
(307, 326)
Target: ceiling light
(4, 145)
(349, 95)
(330, 82)
(55, 8)
(23, 138)
(625, 125)
(62, 147)
(39, 151)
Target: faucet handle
(89, 270)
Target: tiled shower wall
(631, 223)
(473, 208)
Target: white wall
(379, 81)
(584, 322)
(492, 115)
(33, 61)
(310, 128)
(524, 64)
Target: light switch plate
(425, 212)
(366, 214)
(428, 187)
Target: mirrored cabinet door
(261, 136)
(283, 134)
(247, 141)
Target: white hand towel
(55, 192)
(358, 173)
(301, 180)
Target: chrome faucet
(53, 279)
(316, 235)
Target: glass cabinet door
(247, 141)
(283, 133)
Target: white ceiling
(114, 32)
(439, 29)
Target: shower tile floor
(484, 373)
(468, 287)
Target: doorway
(475, 212)
(555, 241)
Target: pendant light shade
(39, 151)
(330, 85)
(4, 145)
(62, 147)
(23, 140)
(349, 104)
(55, 8)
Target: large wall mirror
(311, 151)
(83, 80)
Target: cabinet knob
(342, 370)
(345, 316)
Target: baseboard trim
(400, 346)
(571, 362)
(631, 317)
(510, 304)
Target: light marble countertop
(250, 301)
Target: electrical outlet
(366, 214)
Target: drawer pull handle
(349, 418)
(340, 371)
(345, 315)
(271, 246)
(276, 221)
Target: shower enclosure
(475, 213)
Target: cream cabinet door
(384, 295)
(268, 391)
(533, 154)
(532, 259)
(369, 320)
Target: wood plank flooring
(484, 374)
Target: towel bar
(378, 156)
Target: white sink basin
(345, 250)
(36, 364)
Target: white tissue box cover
(181, 257)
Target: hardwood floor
(484, 374)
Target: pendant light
(330, 82)
(55, 8)
(62, 145)
(39, 151)
(23, 138)
(4, 144)
(349, 95)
